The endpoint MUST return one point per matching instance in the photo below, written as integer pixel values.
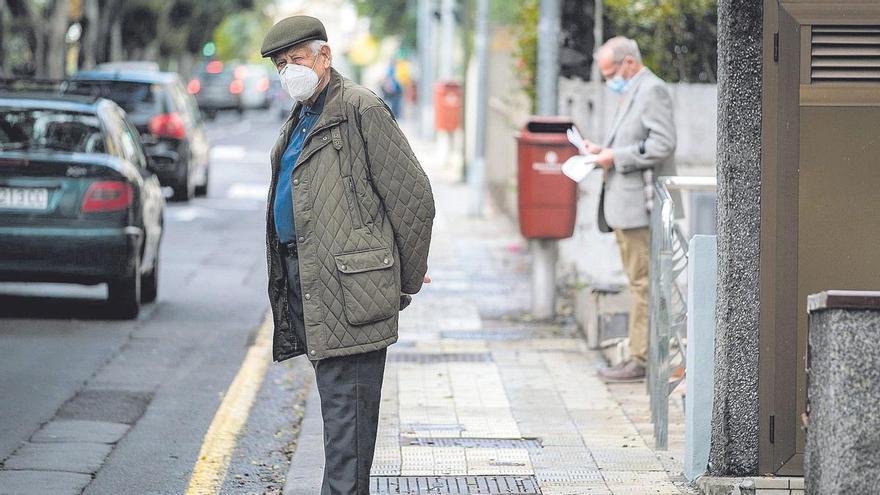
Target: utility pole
(548, 57)
(426, 68)
(596, 76)
(545, 252)
(477, 173)
(446, 139)
(447, 25)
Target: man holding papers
(641, 143)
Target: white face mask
(299, 81)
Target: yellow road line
(220, 439)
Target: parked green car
(78, 201)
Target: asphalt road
(165, 373)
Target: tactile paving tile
(626, 459)
(453, 485)
(498, 461)
(485, 443)
(557, 475)
(438, 357)
(494, 335)
(576, 488)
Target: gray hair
(619, 47)
(313, 45)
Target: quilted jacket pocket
(369, 290)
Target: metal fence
(668, 299)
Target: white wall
(695, 109)
(595, 255)
(592, 254)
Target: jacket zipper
(354, 204)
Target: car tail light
(194, 86)
(107, 196)
(214, 67)
(167, 125)
(236, 86)
(263, 85)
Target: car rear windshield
(134, 97)
(216, 78)
(57, 130)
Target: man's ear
(327, 56)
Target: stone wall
(843, 435)
(734, 449)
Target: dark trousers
(351, 389)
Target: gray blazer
(643, 140)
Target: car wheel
(183, 191)
(202, 190)
(124, 293)
(150, 283)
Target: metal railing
(668, 299)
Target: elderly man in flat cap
(348, 229)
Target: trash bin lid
(548, 130)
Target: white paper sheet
(578, 167)
(575, 138)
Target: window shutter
(845, 54)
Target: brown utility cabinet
(820, 196)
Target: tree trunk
(3, 70)
(116, 53)
(186, 65)
(92, 16)
(56, 46)
(39, 47)
(109, 11)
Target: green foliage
(504, 12)
(525, 53)
(239, 36)
(391, 18)
(678, 38)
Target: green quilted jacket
(363, 210)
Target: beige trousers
(635, 248)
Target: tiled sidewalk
(477, 395)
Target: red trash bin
(547, 199)
(447, 105)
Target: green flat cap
(290, 31)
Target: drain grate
(436, 357)
(456, 485)
(530, 444)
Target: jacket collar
(626, 102)
(333, 104)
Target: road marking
(248, 190)
(222, 152)
(188, 213)
(221, 437)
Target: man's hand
(605, 159)
(427, 279)
(592, 147)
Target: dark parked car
(167, 118)
(78, 201)
(217, 87)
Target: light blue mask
(617, 84)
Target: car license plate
(24, 198)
